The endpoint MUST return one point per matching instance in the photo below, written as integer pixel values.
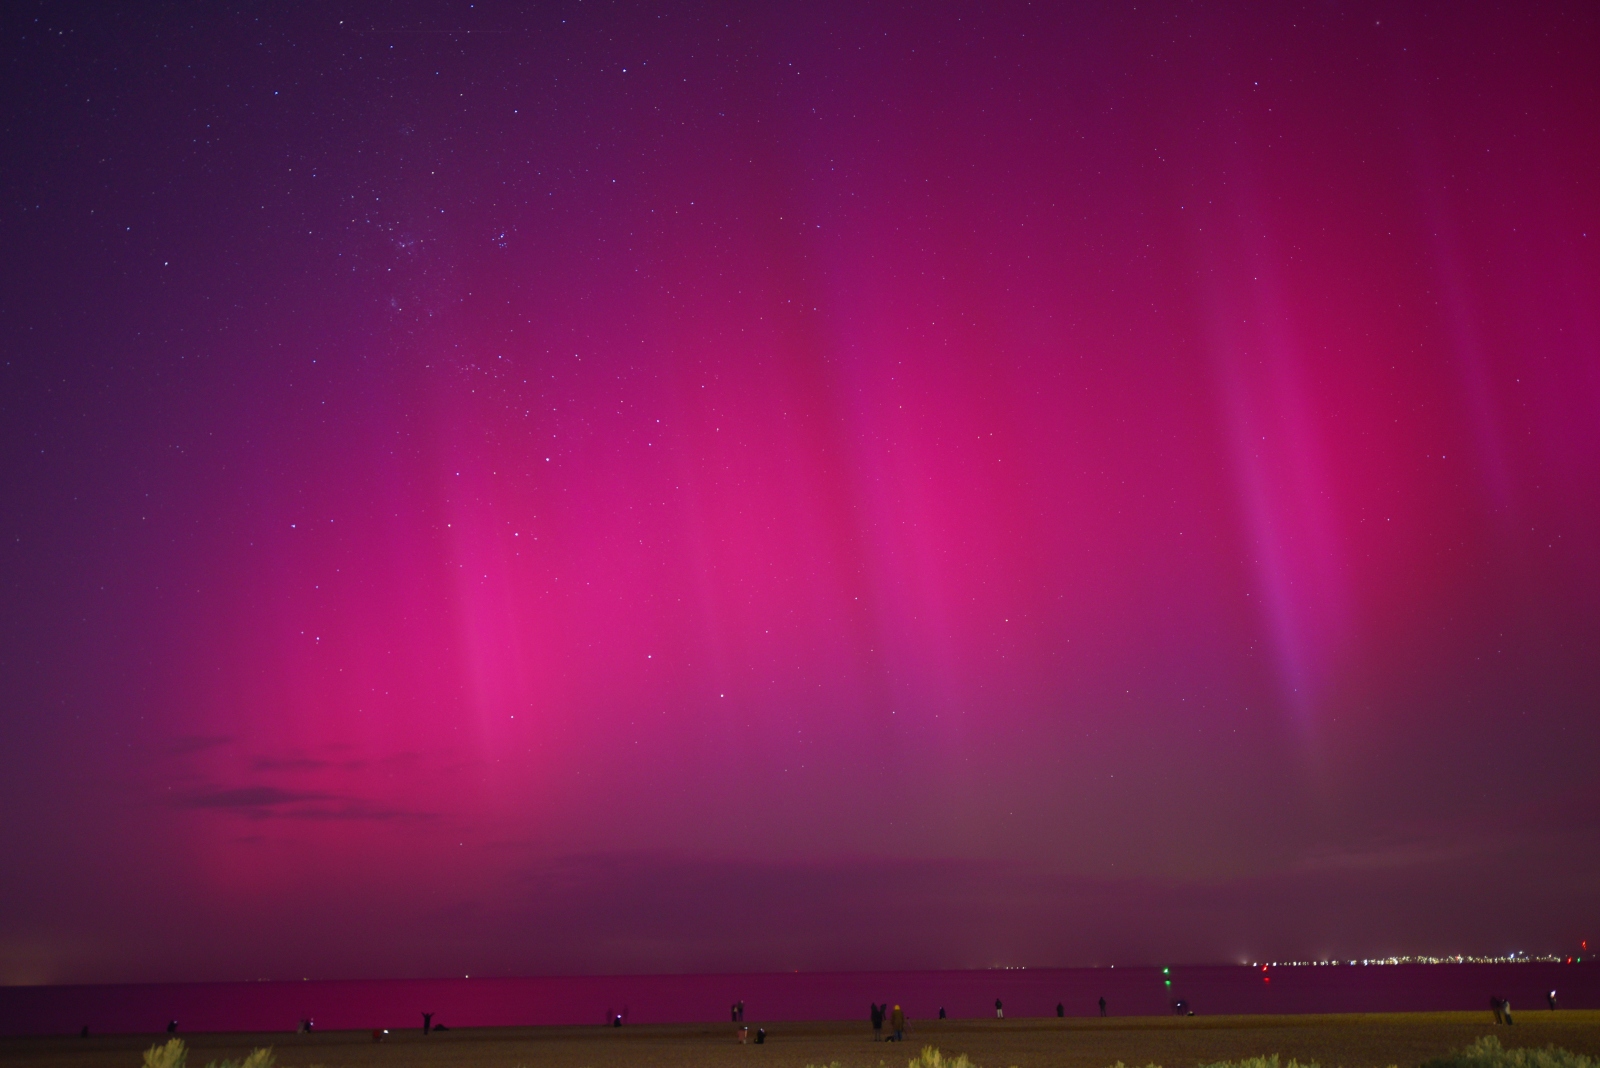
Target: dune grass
(175, 1055)
(1488, 1053)
(172, 1055)
(930, 1057)
(1269, 1061)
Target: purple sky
(607, 488)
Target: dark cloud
(275, 802)
(304, 763)
(289, 764)
(247, 798)
(352, 808)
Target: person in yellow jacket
(897, 1020)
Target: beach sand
(1334, 1041)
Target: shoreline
(1334, 1040)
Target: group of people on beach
(736, 1014)
(897, 1022)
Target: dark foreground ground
(1335, 1041)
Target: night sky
(667, 488)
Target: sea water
(768, 998)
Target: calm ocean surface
(277, 1006)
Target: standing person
(741, 1010)
(898, 1022)
(1494, 1006)
(1505, 1010)
(733, 1012)
(877, 1022)
(1061, 1010)
(1102, 1004)
(941, 1012)
(999, 1010)
(427, 1022)
(1552, 1000)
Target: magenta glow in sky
(677, 489)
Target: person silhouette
(999, 1010)
(1061, 1010)
(427, 1022)
(1102, 1005)
(85, 1032)
(941, 1012)
(877, 1022)
(761, 1036)
(172, 1027)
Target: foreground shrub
(1488, 1053)
(1269, 1061)
(1484, 1053)
(930, 1057)
(175, 1053)
(172, 1055)
(257, 1058)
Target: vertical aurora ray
(808, 488)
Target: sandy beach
(1335, 1041)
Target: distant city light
(1511, 958)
